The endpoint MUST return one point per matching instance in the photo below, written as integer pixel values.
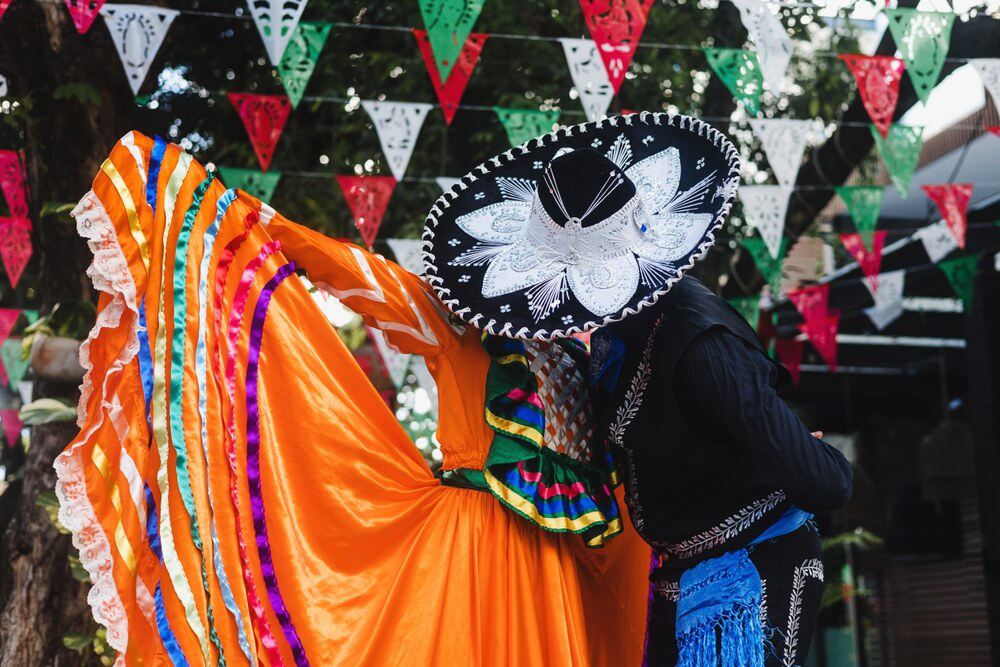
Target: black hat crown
(584, 187)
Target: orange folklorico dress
(241, 494)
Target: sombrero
(580, 227)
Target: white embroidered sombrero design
(580, 227)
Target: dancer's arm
(386, 295)
(735, 383)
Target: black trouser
(791, 570)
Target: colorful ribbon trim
(201, 373)
(176, 390)
(253, 467)
(162, 625)
(549, 489)
(171, 560)
(258, 613)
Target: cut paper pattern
(15, 247)
(863, 204)
(989, 71)
(398, 126)
(264, 118)
(8, 317)
(740, 71)
(774, 46)
(769, 267)
(938, 240)
(867, 254)
(14, 364)
(887, 293)
(450, 92)
(408, 253)
(789, 351)
(11, 426)
(952, 201)
(299, 60)
(260, 184)
(784, 143)
(367, 197)
(83, 13)
(522, 125)
(448, 24)
(961, 273)
(764, 207)
(748, 307)
(878, 84)
(137, 32)
(12, 183)
(900, 150)
(590, 78)
(922, 39)
(276, 21)
(616, 27)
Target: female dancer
(240, 494)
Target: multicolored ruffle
(552, 490)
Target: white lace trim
(110, 273)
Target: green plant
(71, 319)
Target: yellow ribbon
(133, 215)
(125, 550)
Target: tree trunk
(63, 141)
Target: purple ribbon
(253, 467)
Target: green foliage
(83, 93)
(47, 410)
(48, 501)
(72, 319)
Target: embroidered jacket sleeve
(729, 388)
(387, 296)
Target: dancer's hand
(817, 434)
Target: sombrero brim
(697, 199)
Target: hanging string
(676, 46)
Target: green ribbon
(740, 71)
(769, 267)
(900, 151)
(863, 203)
(260, 184)
(922, 39)
(448, 24)
(961, 273)
(522, 125)
(299, 61)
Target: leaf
(83, 93)
(50, 503)
(77, 642)
(55, 208)
(46, 411)
(859, 537)
(78, 570)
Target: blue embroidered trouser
(791, 572)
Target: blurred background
(878, 293)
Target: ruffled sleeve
(386, 295)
